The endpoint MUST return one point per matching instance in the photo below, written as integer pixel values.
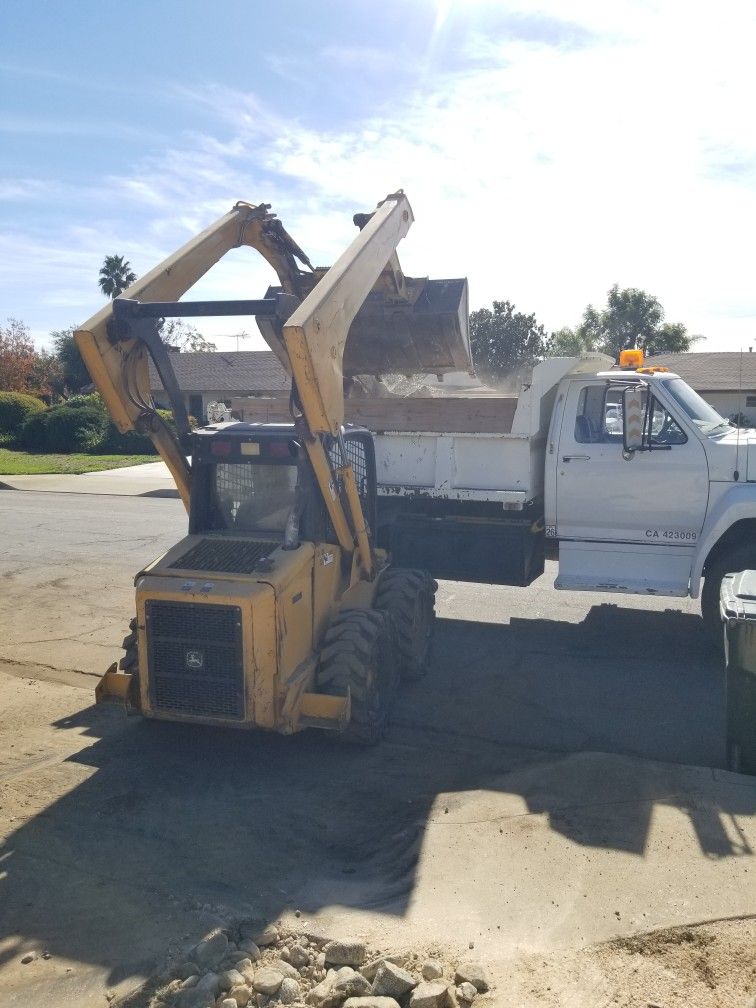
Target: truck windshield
(704, 416)
(251, 497)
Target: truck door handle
(576, 458)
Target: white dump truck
(625, 474)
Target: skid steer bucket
(423, 331)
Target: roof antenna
(736, 474)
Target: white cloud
(545, 171)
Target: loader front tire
(130, 663)
(408, 598)
(359, 657)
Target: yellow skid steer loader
(276, 611)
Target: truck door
(626, 523)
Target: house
(725, 379)
(218, 376)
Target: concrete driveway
(151, 479)
(555, 782)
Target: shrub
(132, 443)
(33, 434)
(66, 428)
(15, 409)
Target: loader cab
(255, 480)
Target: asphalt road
(522, 769)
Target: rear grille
(195, 658)
(232, 556)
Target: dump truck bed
(473, 445)
(455, 447)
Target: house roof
(712, 372)
(236, 372)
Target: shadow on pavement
(174, 820)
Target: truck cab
(642, 519)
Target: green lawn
(19, 463)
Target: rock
(229, 1003)
(473, 973)
(249, 947)
(431, 994)
(210, 950)
(299, 956)
(186, 969)
(371, 1001)
(320, 960)
(239, 995)
(289, 992)
(392, 980)
(249, 975)
(201, 995)
(29, 957)
(345, 953)
(242, 964)
(231, 978)
(351, 984)
(466, 992)
(284, 968)
(267, 936)
(320, 995)
(369, 969)
(267, 980)
(190, 981)
(432, 969)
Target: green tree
(631, 318)
(503, 340)
(115, 275)
(567, 342)
(75, 374)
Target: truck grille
(232, 556)
(195, 658)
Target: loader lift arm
(114, 342)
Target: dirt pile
(256, 966)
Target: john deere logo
(195, 660)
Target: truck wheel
(743, 558)
(359, 656)
(408, 597)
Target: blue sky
(549, 150)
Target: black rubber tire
(359, 657)
(130, 659)
(408, 597)
(737, 559)
(130, 663)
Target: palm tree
(115, 276)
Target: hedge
(16, 408)
(81, 424)
(66, 428)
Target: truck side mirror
(633, 418)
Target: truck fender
(737, 504)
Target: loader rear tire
(359, 657)
(408, 597)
